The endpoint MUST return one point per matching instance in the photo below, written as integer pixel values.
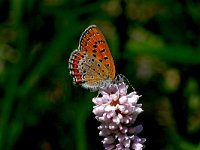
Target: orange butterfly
(92, 65)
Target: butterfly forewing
(93, 42)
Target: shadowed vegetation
(155, 44)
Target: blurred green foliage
(155, 44)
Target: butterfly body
(92, 65)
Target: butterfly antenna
(122, 78)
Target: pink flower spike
(109, 146)
(123, 99)
(117, 111)
(108, 140)
(113, 126)
(116, 120)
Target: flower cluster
(117, 111)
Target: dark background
(155, 44)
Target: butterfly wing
(94, 43)
(92, 65)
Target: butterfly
(91, 65)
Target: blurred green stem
(13, 76)
(80, 131)
(10, 94)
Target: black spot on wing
(102, 50)
(105, 57)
